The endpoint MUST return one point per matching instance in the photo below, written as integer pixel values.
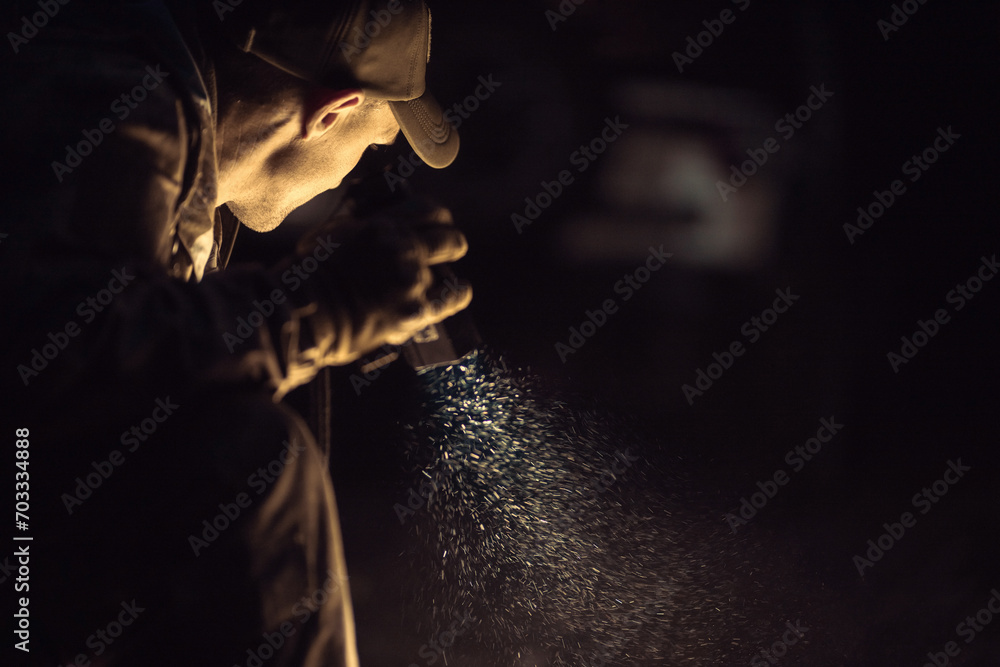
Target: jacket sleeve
(87, 258)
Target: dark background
(825, 357)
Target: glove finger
(415, 213)
(442, 243)
(416, 314)
(409, 320)
(437, 215)
(447, 301)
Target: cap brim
(430, 134)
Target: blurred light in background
(659, 182)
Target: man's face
(302, 167)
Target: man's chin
(259, 218)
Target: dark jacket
(110, 247)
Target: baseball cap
(382, 46)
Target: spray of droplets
(543, 522)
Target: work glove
(379, 285)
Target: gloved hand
(378, 286)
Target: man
(181, 515)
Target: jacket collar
(194, 219)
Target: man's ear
(325, 106)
